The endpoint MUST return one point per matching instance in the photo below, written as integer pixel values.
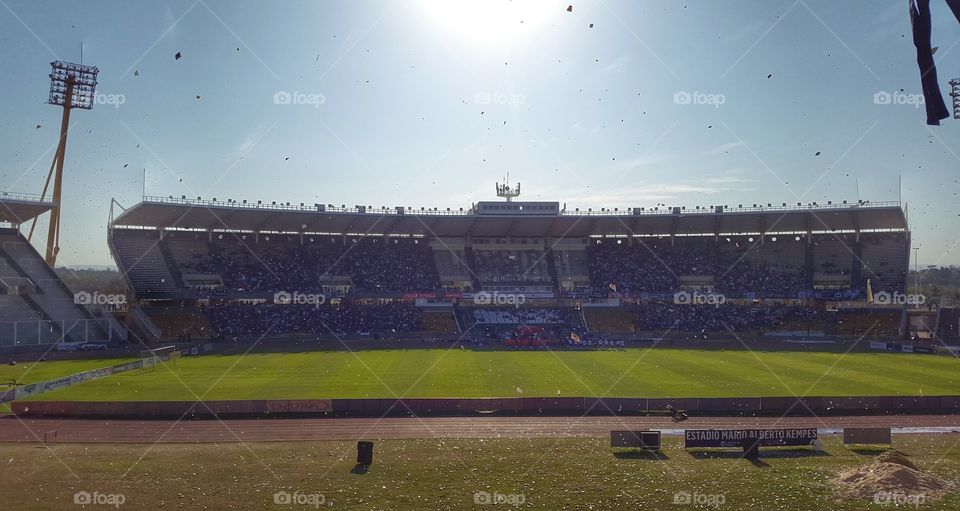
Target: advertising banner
(734, 437)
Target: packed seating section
(738, 266)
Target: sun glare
(490, 21)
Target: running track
(272, 430)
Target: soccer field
(465, 373)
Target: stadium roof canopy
(172, 213)
(18, 208)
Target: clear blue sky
(427, 103)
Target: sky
(430, 102)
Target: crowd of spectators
(719, 318)
(394, 265)
(511, 265)
(372, 264)
(760, 278)
(656, 267)
(244, 320)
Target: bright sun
(490, 21)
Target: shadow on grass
(360, 469)
(769, 454)
(869, 450)
(641, 455)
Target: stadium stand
(725, 318)
(280, 262)
(609, 320)
(241, 320)
(234, 264)
(885, 257)
(948, 324)
(177, 322)
(439, 322)
(140, 258)
(869, 324)
(35, 305)
(530, 316)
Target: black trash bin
(365, 453)
(751, 447)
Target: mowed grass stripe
(466, 373)
(813, 376)
(33, 372)
(865, 373)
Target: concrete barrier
(866, 436)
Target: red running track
(13, 429)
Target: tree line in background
(935, 282)
(107, 281)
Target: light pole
(71, 86)
(916, 266)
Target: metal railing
(25, 197)
(314, 208)
(630, 211)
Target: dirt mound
(891, 478)
(896, 457)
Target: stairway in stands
(472, 265)
(141, 258)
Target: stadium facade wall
(562, 406)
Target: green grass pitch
(443, 473)
(33, 372)
(465, 373)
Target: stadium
(691, 304)
(273, 316)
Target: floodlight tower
(504, 190)
(955, 94)
(71, 86)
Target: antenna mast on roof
(504, 190)
(955, 94)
